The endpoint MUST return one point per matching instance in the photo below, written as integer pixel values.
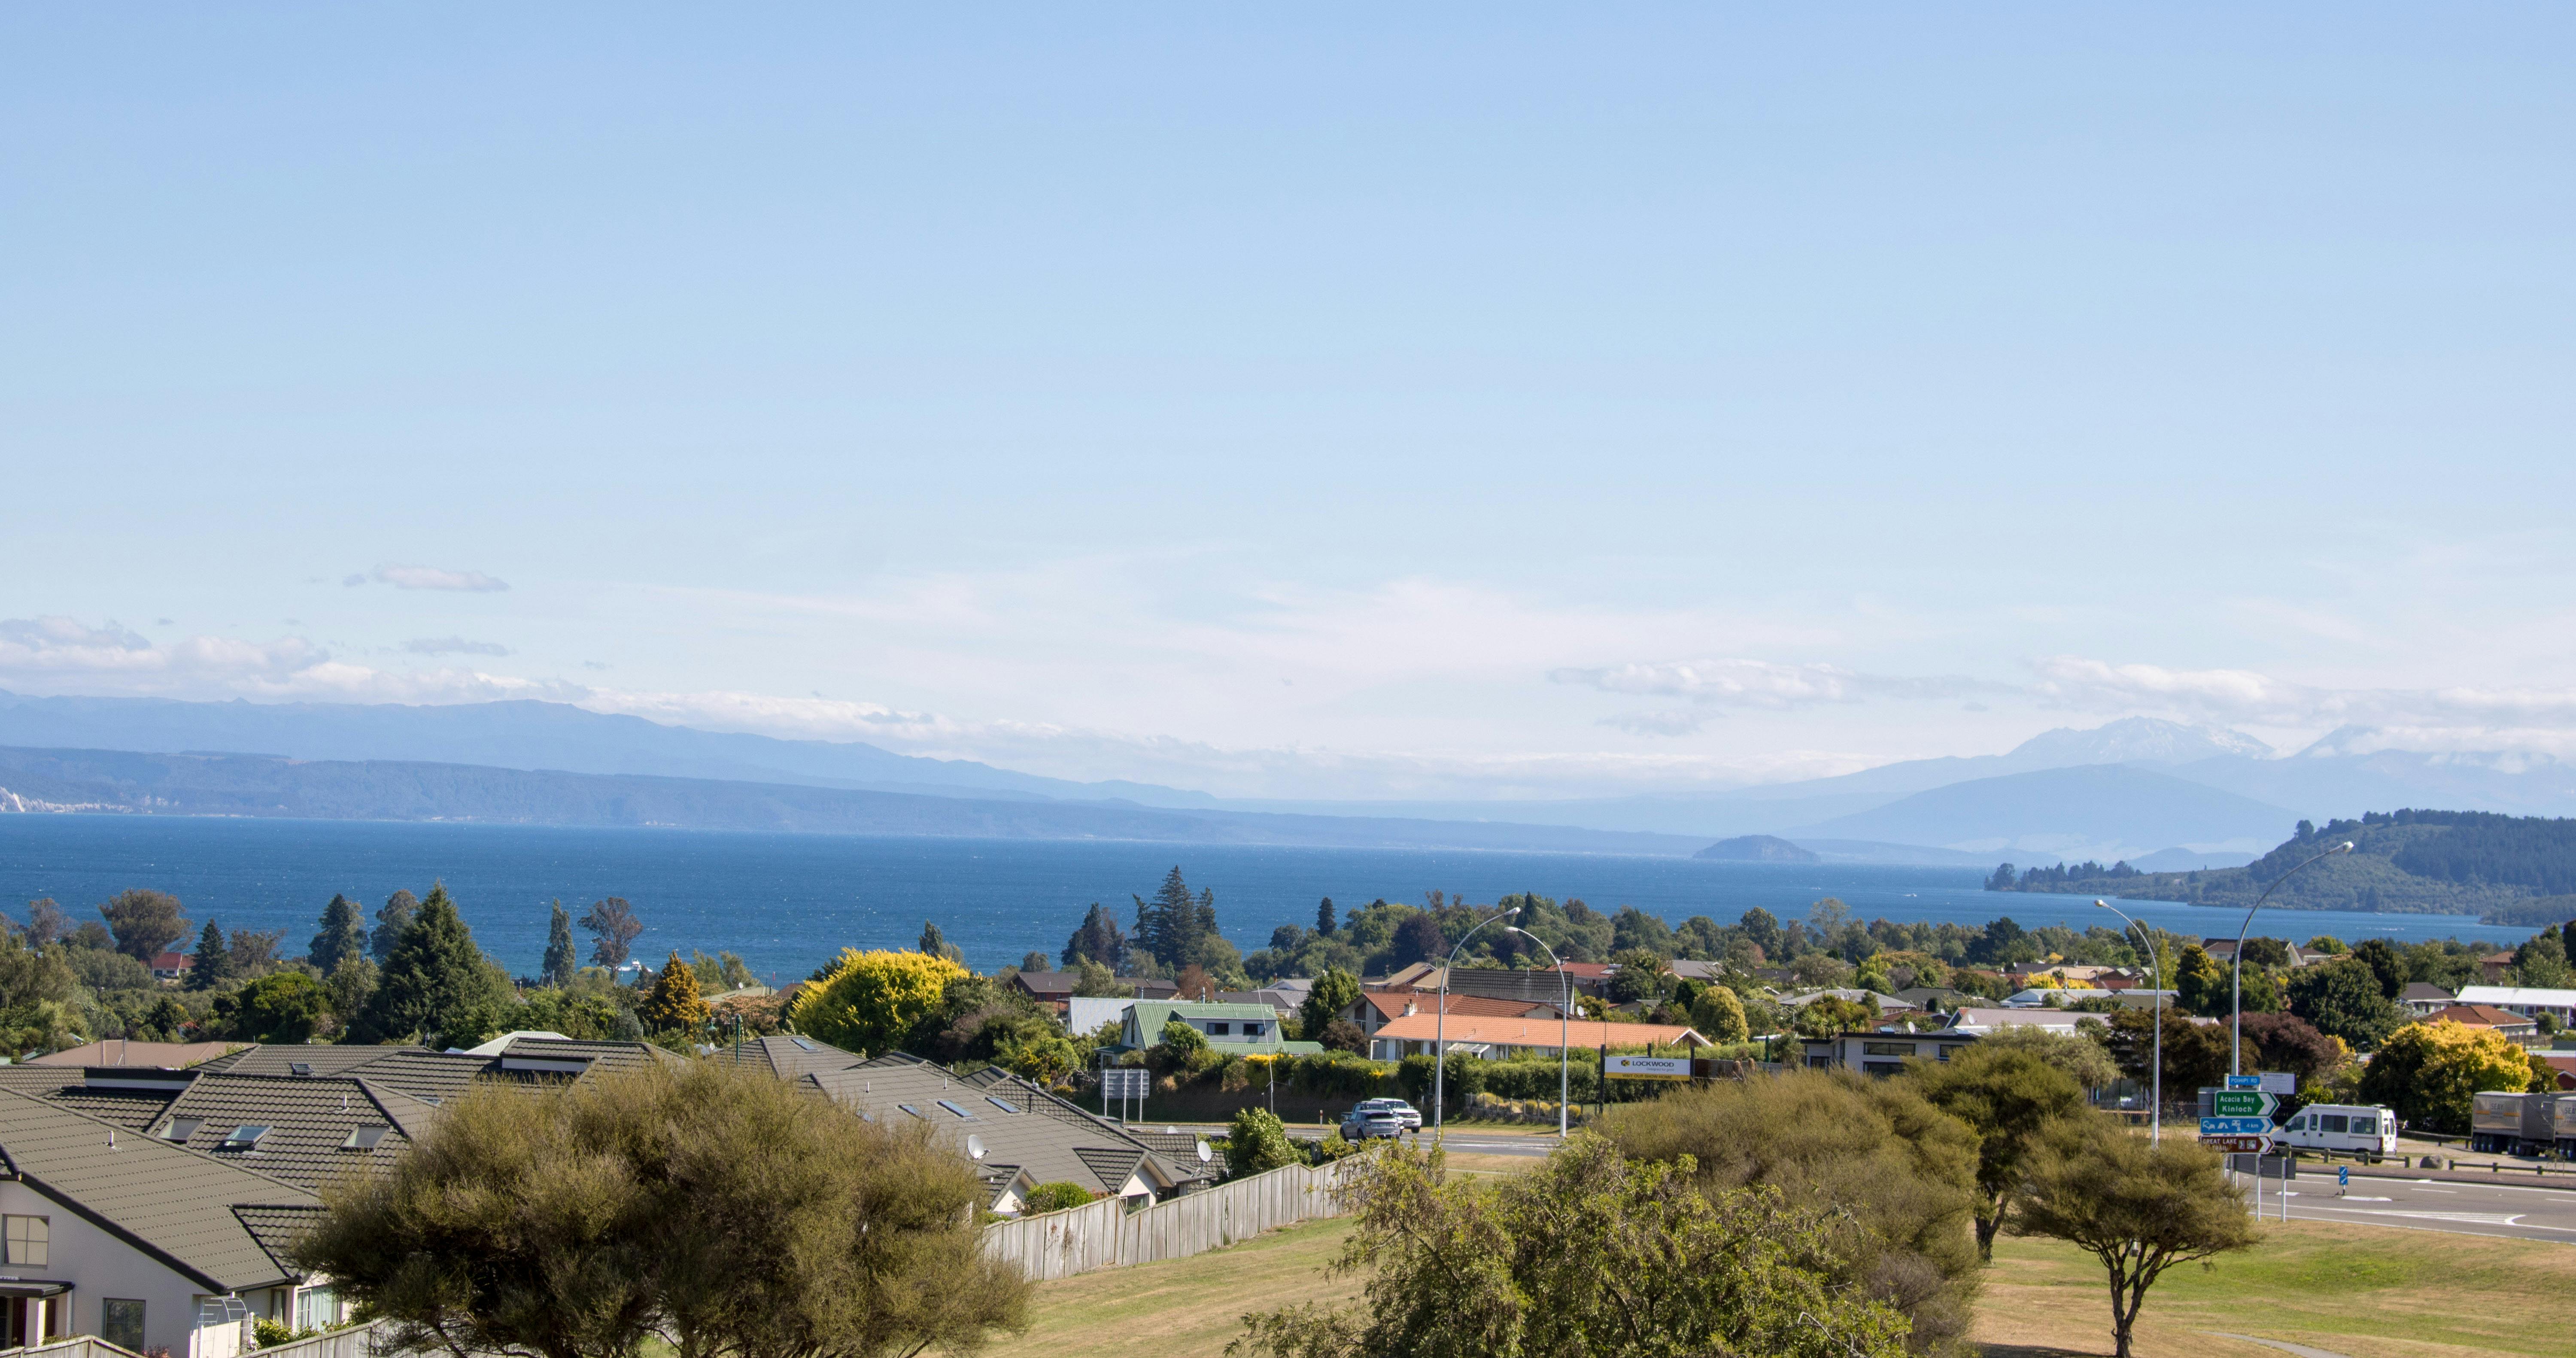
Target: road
(2424, 1205)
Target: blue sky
(1454, 400)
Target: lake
(788, 902)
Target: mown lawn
(2367, 1291)
(1181, 1308)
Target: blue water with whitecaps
(785, 903)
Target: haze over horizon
(1457, 404)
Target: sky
(1353, 402)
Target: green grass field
(2369, 1292)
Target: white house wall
(100, 1265)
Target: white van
(2345, 1128)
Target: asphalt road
(2423, 1205)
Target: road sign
(2343, 1176)
(2278, 1082)
(1127, 1082)
(1647, 1068)
(2245, 1082)
(2235, 1126)
(2243, 1103)
(2238, 1145)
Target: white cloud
(1657, 723)
(1763, 683)
(63, 655)
(453, 646)
(432, 577)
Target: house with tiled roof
(140, 1241)
(2529, 1001)
(2504, 1021)
(1374, 1009)
(1501, 1039)
(2423, 997)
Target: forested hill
(2441, 862)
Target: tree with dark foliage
(613, 929)
(1099, 940)
(144, 922)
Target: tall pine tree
(1324, 921)
(561, 961)
(214, 962)
(437, 983)
(1169, 926)
(391, 922)
(343, 936)
(1098, 940)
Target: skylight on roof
(180, 1129)
(804, 1044)
(914, 1111)
(364, 1138)
(243, 1138)
(996, 1102)
(957, 1110)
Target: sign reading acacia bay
(1647, 1068)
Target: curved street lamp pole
(2156, 974)
(1564, 1029)
(1440, 1025)
(2236, 1040)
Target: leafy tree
(2385, 965)
(1333, 992)
(1036, 961)
(2541, 961)
(1324, 917)
(973, 1018)
(2138, 1206)
(2428, 1072)
(1258, 1141)
(343, 935)
(1342, 1035)
(2195, 1054)
(38, 991)
(1719, 1016)
(1828, 1015)
(351, 984)
(2084, 1060)
(283, 1006)
(2010, 1099)
(1641, 978)
(2327, 944)
(213, 964)
(1045, 1057)
(1589, 1254)
(255, 953)
(1096, 979)
(1181, 1039)
(1098, 940)
(675, 1004)
(936, 943)
(1836, 1141)
(712, 1204)
(1194, 983)
(561, 961)
(613, 927)
(392, 922)
(145, 922)
(2201, 985)
(436, 984)
(2344, 998)
(2271, 954)
(1633, 930)
(1763, 928)
(46, 923)
(1419, 939)
(869, 1002)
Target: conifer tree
(675, 1004)
(1324, 922)
(1099, 940)
(561, 960)
(936, 944)
(391, 922)
(214, 961)
(1175, 921)
(436, 983)
(343, 936)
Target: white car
(1405, 1113)
(2349, 1129)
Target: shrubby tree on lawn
(1589, 1254)
(1258, 1141)
(710, 1204)
(2010, 1099)
(2137, 1206)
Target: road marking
(2464, 1218)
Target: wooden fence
(1106, 1235)
(357, 1341)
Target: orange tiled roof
(2478, 1016)
(1535, 1032)
(1390, 1004)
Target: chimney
(1410, 1008)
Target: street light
(2156, 974)
(2236, 1040)
(1440, 1025)
(1564, 1029)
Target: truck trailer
(2511, 1124)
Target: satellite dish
(1205, 1154)
(974, 1147)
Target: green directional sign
(2243, 1103)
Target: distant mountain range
(2158, 794)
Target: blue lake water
(787, 902)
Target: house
(2529, 1001)
(2422, 998)
(2494, 967)
(1692, 969)
(1975, 1021)
(1050, 988)
(1935, 999)
(1375, 1009)
(172, 966)
(1504, 1038)
(1279, 1002)
(2224, 950)
(143, 1242)
(1598, 973)
(1015, 1134)
(1876, 1053)
(1239, 1028)
(2504, 1021)
(1496, 982)
(1084, 1014)
(2562, 1062)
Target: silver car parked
(1361, 1125)
(1404, 1112)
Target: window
(1220, 1029)
(1882, 1067)
(120, 1322)
(804, 1044)
(2365, 1124)
(996, 1102)
(2334, 1122)
(364, 1138)
(957, 1110)
(1252, 1030)
(29, 1239)
(1887, 1049)
(914, 1111)
(242, 1138)
(317, 1308)
(180, 1129)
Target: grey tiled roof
(790, 1057)
(276, 1228)
(1043, 1136)
(173, 1203)
(310, 1122)
(281, 1059)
